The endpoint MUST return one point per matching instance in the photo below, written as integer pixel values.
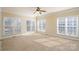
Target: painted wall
(51, 19)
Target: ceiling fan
(39, 10)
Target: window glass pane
(42, 25)
(7, 26)
(30, 25)
(33, 26)
(18, 25)
(67, 25)
(72, 25)
(61, 25)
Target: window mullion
(66, 26)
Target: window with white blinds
(67, 25)
(7, 26)
(11, 25)
(30, 25)
(41, 25)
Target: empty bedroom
(39, 29)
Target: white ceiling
(28, 11)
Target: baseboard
(10, 36)
(17, 35)
(61, 36)
(49, 35)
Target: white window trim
(31, 26)
(58, 27)
(66, 30)
(39, 28)
(13, 26)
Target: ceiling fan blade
(42, 11)
(39, 10)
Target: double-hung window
(18, 25)
(11, 25)
(41, 25)
(61, 25)
(72, 25)
(67, 25)
(30, 25)
(7, 26)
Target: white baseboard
(64, 36)
(29, 33)
(10, 36)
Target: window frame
(41, 24)
(31, 26)
(66, 26)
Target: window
(41, 25)
(61, 25)
(7, 26)
(67, 25)
(11, 25)
(30, 25)
(18, 25)
(72, 25)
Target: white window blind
(41, 25)
(11, 25)
(67, 25)
(30, 25)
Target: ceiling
(28, 11)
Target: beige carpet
(39, 42)
(52, 41)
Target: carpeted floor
(39, 42)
